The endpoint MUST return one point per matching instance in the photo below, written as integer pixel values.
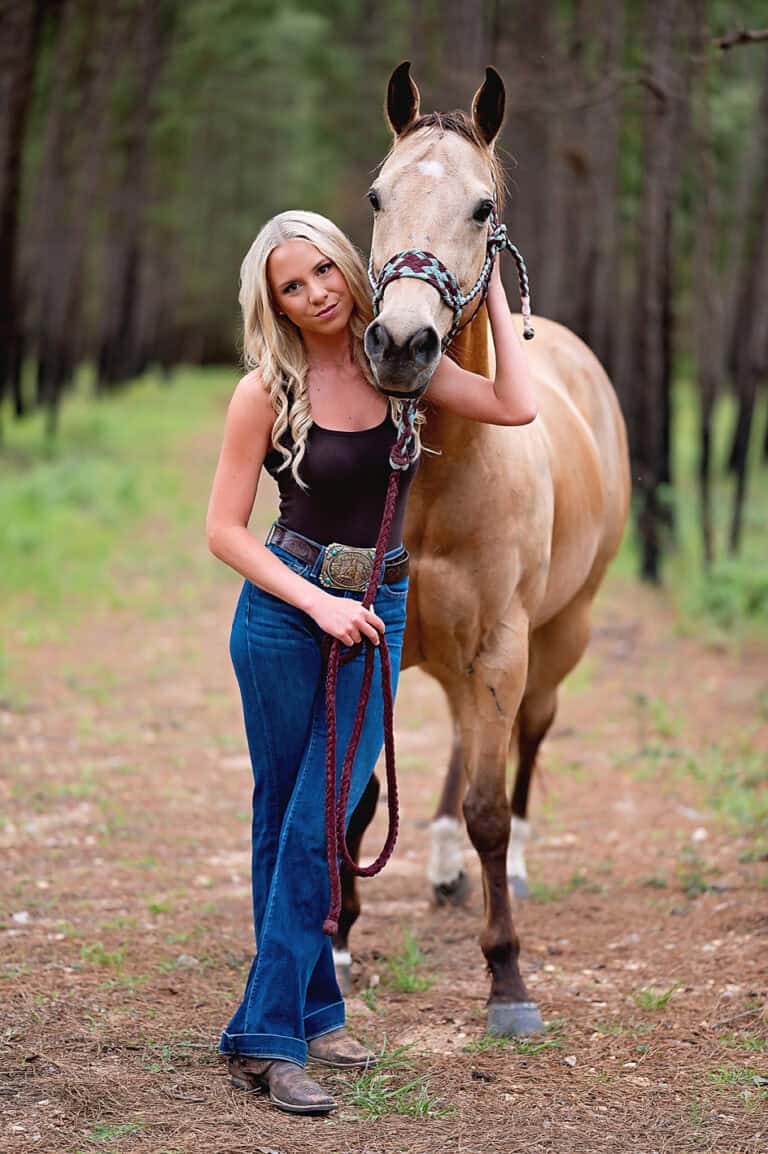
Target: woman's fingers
(376, 621)
(362, 623)
(370, 633)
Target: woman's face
(309, 288)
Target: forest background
(142, 145)
(143, 142)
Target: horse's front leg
(490, 696)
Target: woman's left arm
(508, 399)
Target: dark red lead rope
(336, 809)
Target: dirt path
(126, 905)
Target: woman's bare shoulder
(251, 402)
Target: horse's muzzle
(402, 370)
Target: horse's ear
(403, 99)
(488, 106)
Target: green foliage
(541, 892)
(651, 999)
(736, 783)
(527, 1046)
(691, 873)
(730, 599)
(113, 1131)
(751, 1043)
(402, 967)
(67, 509)
(380, 1091)
(97, 955)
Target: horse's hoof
(514, 1019)
(342, 962)
(519, 887)
(453, 893)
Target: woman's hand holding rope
(345, 618)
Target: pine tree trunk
(652, 318)
(19, 30)
(119, 355)
(751, 331)
(528, 60)
(603, 287)
(707, 301)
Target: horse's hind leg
(362, 816)
(555, 649)
(450, 883)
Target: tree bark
(20, 22)
(652, 317)
(708, 320)
(464, 36)
(751, 329)
(528, 59)
(603, 286)
(119, 356)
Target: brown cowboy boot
(337, 1048)
(290, 1088)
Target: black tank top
(347, 474)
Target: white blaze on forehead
(431, 168)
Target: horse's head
(435, 192)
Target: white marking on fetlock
(342, 958)
(519, 835)
(446, 858)
(431, 168)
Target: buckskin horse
(510, 530)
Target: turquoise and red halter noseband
(426, 266)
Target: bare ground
(126, 928)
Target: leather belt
(344, 566)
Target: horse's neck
(473, 351)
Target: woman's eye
(373, 198)
(325, 267)
(483, 211)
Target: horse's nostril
(424, 346)
(377, 341)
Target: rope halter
(416, 263)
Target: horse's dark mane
(458, 122)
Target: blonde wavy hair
(274, 345)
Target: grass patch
(653, 1000)
(752, 1086)
(368, 996)
(68, 506)
(750, 1043)
(112, 1131)
(655, 883)
(541, 892)
(728, 603)
(402, 968)
(691, 873)
(96, 954)
(381, 1091)
(735, 783)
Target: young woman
(309, 413)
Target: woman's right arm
(247, 440)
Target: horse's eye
(373, 198)
(483, 211)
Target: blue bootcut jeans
(292, 995)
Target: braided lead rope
(421, 265)
(403, 454)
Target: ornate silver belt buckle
(345, 567)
